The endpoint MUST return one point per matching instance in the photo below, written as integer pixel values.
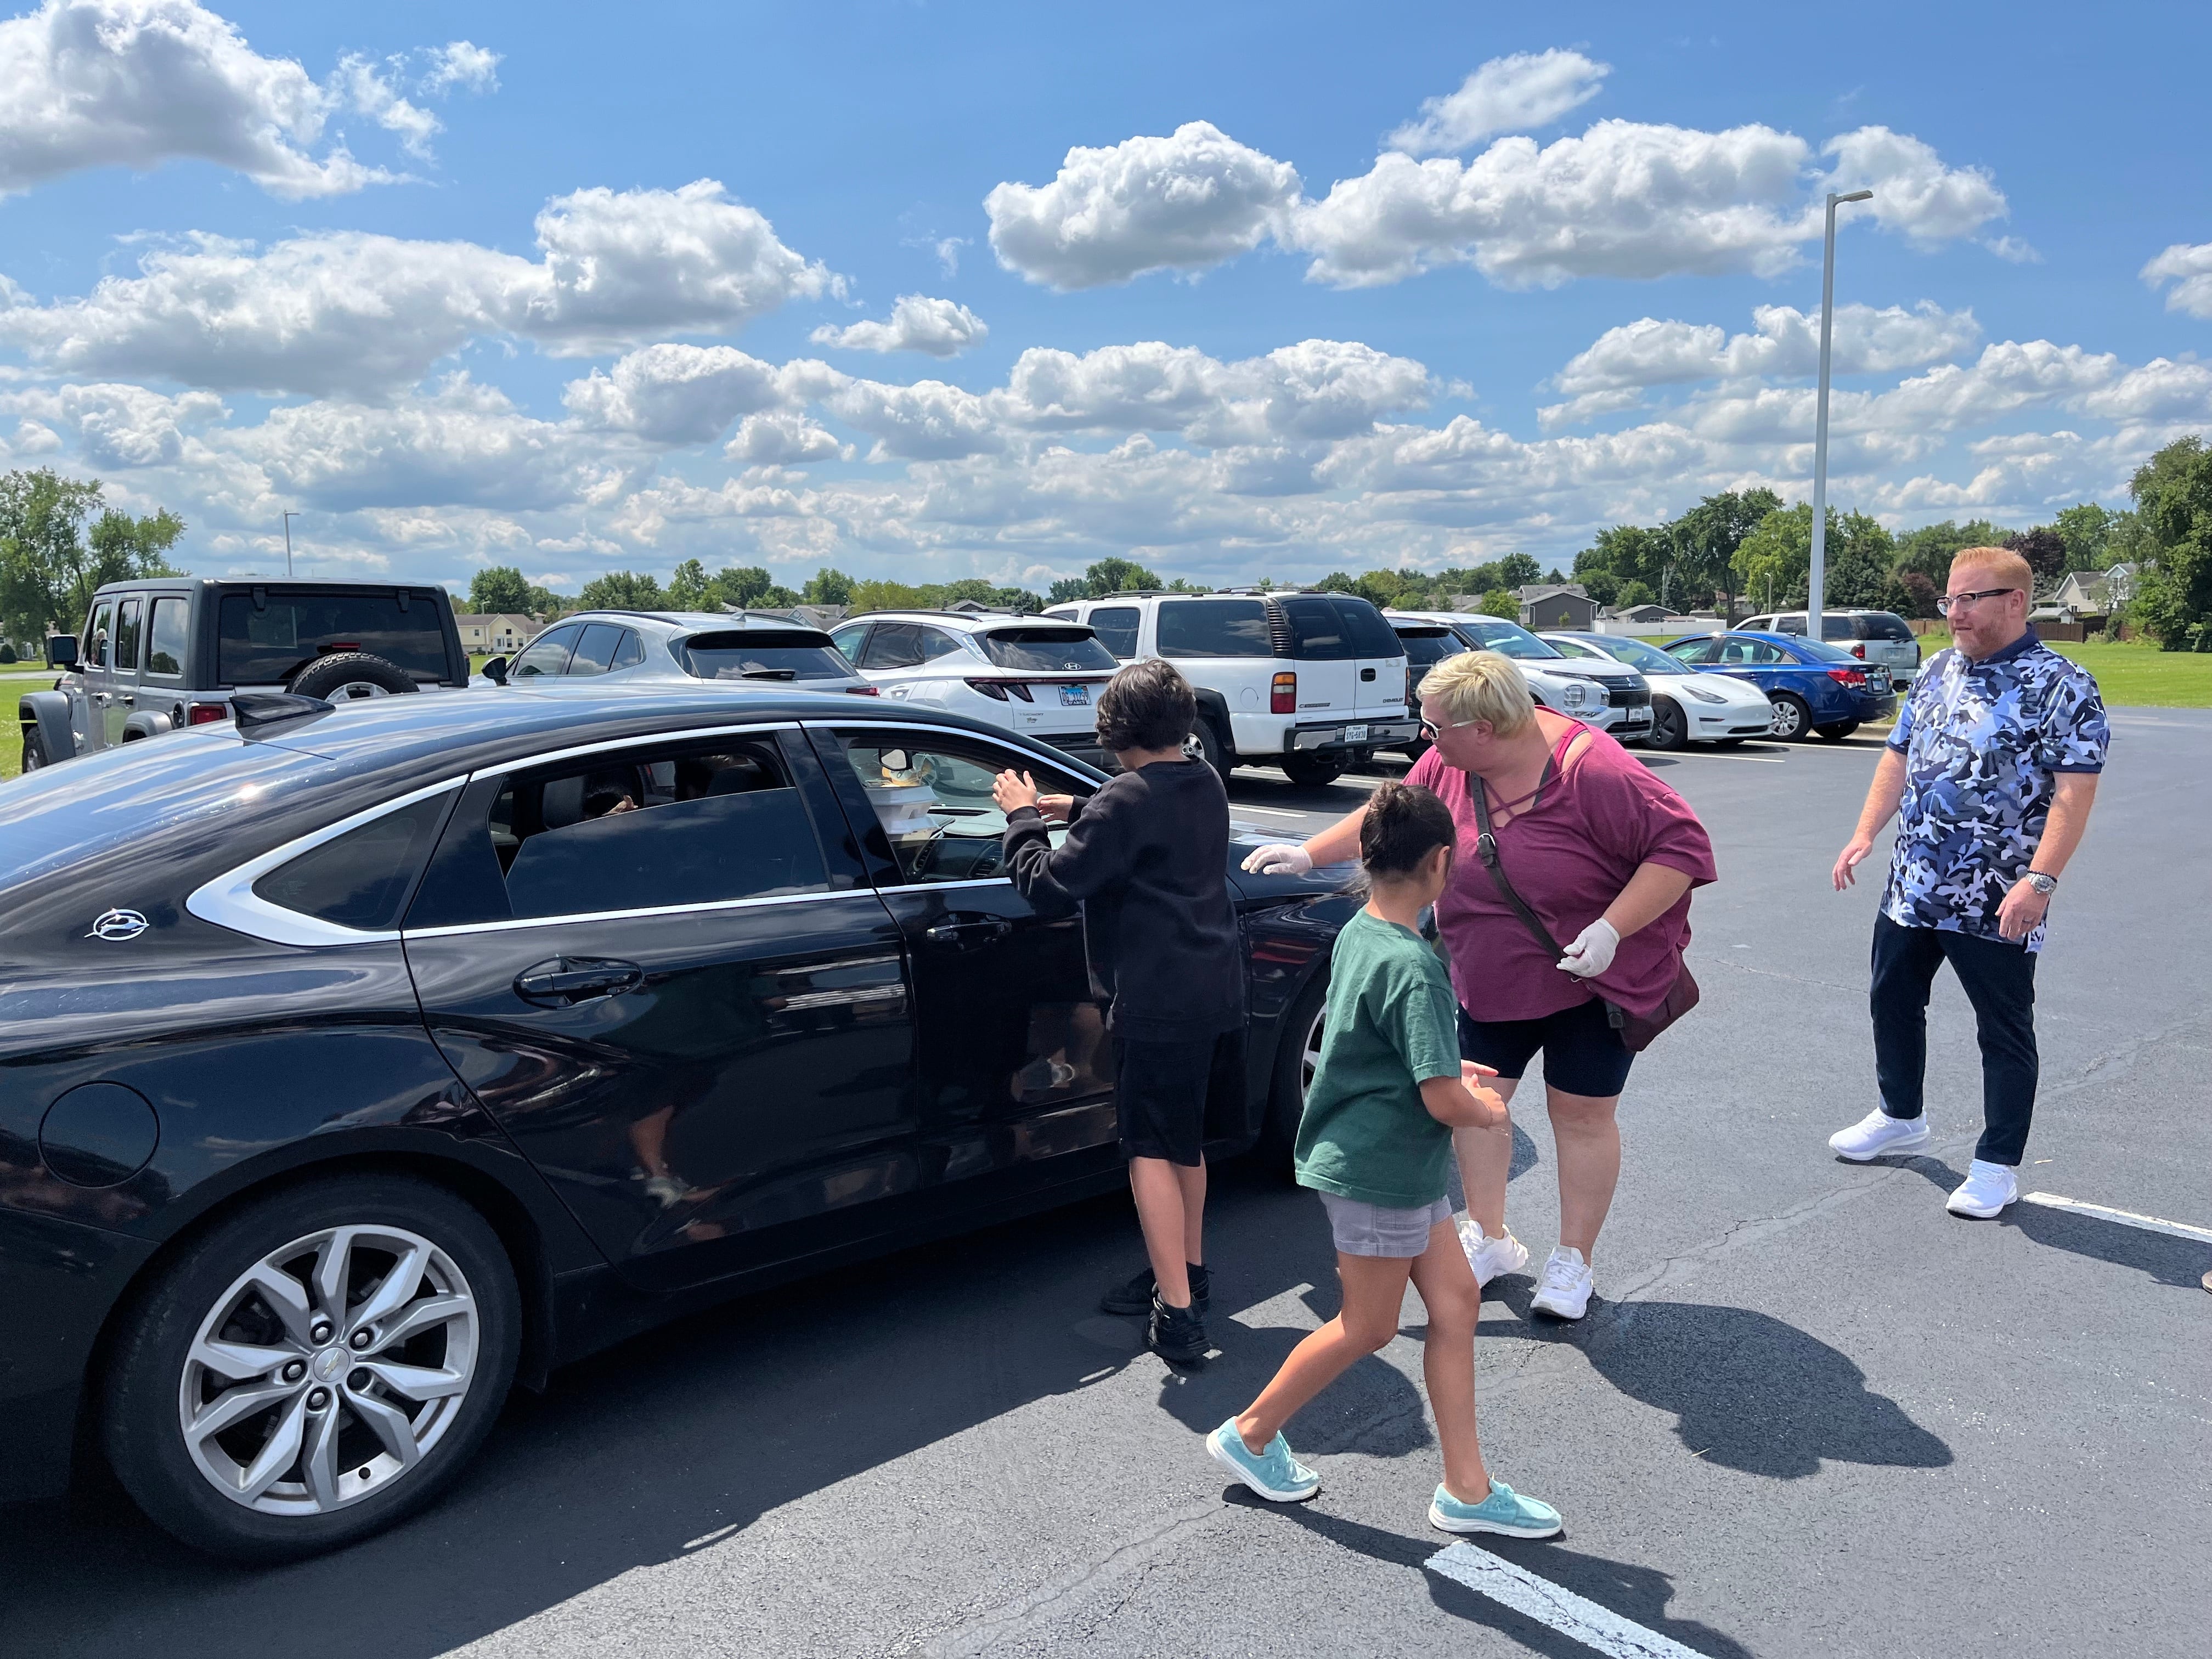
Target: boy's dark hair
(1403, 826)
(1148, 705)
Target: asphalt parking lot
(1811, 1414)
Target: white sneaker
(1566, 1292)
(1986, 1190)
(1489, 1256)
(1877, 1134)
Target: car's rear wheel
(1669, 729)
(317, 1364)
(1206, 743)
(1791, 716)
(1312, 770)
(1297, 1052)
(351, 676)
(1837, 730)
(34, 748)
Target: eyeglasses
(1950, 602)
(1430, 728)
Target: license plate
(1355, 734)
(1638, 717)
(1075, 696)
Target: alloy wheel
(354, 690)
(328, 1368)
(1309, 1054)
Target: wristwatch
(2042, 883)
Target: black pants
(1999, 980)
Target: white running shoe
(1877, 1134)
(1566, 1292)
(1489, 1256)
(1986, 1190)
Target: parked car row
(362, 1063)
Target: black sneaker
(1176, 1334)
(1136, 1296)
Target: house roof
(1535, 592)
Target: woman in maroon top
(1606, 855)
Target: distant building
(1554, 605)
(2086, 595)
(494, 634)
(1639, 613)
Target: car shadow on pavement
(1640, 1594)
(694, 1430)
(1748, 1391)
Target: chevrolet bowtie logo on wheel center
(328, 1363)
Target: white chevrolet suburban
(1312, 683)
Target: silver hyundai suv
(741, 648)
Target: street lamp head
(1855, 196)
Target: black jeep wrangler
(159, 653)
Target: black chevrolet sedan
(355, 1065)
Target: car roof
(695, 622)
(971, 619)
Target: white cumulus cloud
(938, 328)
(1506, 94)
(1183, 203)
(1913, 191)
(688, 394)
(2190, 272)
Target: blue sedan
(1812, 685)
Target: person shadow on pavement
(2169, 1261)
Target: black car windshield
(761, 654)
(1047, 650)
(268, 633)
(1649, 659)
(1505, 638)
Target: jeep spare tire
(344, 675)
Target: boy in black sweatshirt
(1147, 857)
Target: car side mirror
(494, 669)
(61, 651)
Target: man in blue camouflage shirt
(1991, 770)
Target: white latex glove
(1591, 953)
(1278, 859)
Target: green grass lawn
(2135, 675)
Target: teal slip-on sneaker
(1273, 1473)
(1505, 1511)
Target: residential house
(1554, 605)
(1639, 613)
(502, 634)
(2093, 594)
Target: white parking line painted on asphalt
(1274, 811)
(1595, 1627)
(2149, 1223)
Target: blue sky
(1242, 290)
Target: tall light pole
(289, 516)
(1818, 581)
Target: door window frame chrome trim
(569, 918)
(229, 901)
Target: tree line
(52, 559)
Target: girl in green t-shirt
(1374, 1141)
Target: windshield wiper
(768, 673)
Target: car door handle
(566, 980)
(967, 935)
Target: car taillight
(862, 691)
(1848, 676)
(207, 713)
(998, 689)
(1859, 651)
(1283, 696)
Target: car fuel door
(1017, 1069)
(687, 1010)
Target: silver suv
(1611, 696)
(1312, 683)
(743, 649)
(1881, 636)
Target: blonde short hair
(2001, 563)
(1482, 686)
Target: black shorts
(1582, 1053)
(1164, 1094)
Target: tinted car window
(1370, 635)
(1508, 639)
(1211, 628)
(262, 644)
(1318, 630)
(1115, 626)
(630, 652)
(932, 797)
(893, 645)
(127, 635)
(545, 655)
(165, 653)
(1428, 648)
(1046, 650)
(360, 879)
(1813, 651)
(642, 829)
(1883, 625)
(1692, 650)
(759, 654)
(595, 650)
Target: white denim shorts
(1364, 1229)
